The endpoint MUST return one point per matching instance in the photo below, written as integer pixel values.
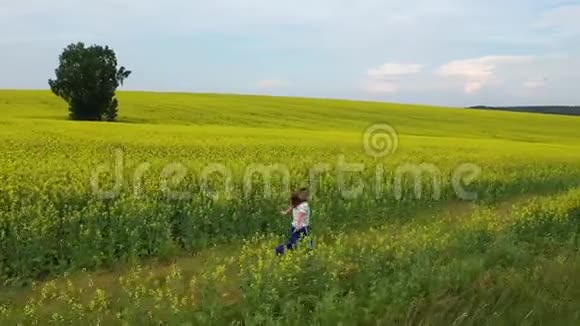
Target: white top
(301, 216)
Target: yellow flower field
(171, 215)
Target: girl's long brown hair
(299, 197)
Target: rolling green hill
(299, 113)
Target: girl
(300, 220)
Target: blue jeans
(295, 235)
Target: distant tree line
(546, 109)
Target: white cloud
(472, 87)
(379, 87)
(272, 83)
(387, 78)
(480, 72)
(535, 83)
(564, 20)
(389, 70)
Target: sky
(440, 52)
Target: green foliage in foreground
(487, 268)
(377, 258)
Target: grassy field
(162, 248)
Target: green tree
(87, 78)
